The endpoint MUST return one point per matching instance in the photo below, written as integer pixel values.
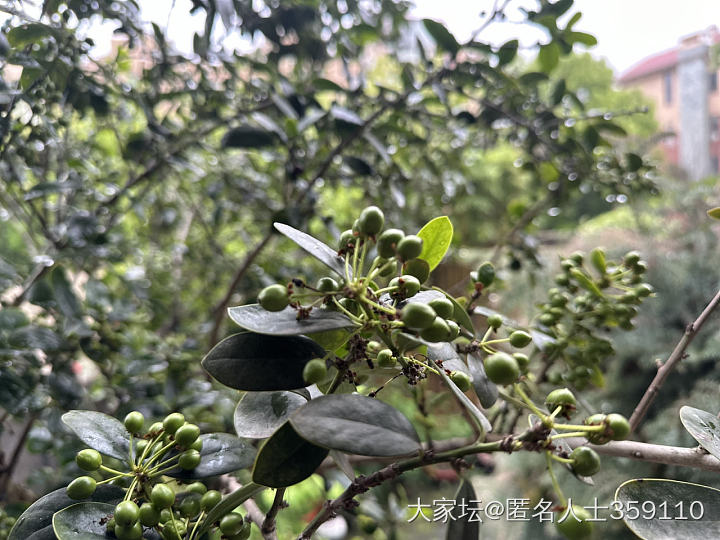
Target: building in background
(683, 83)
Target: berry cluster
(601, 295)
(174, 511)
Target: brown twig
(664, 370)
(268, 525)
(7, 471)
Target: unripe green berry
(149, 515)
(155, 429)
(461, 380)
(81, 488)
(406, 284)
(409, 247)
(134, 422)
(231, 524)
(347, 239)
(126, 514)
(597, 257)
(438, 331)
(327, 284)
(373, 347)
(387, 242)
(274, 298)
(166, 515)
(586, 461)
(632, 258)
(563, 398)
(501, 368)
(130, 532)
(520, 339)
(486, 273)
(443, 307)
(162, 496)
(367, 524)
(244, 533)
(172, 423)
(190, 506)
(385, 358)
(189, 459)
(174, 530)
(315, 371)
(88, 459)
(571, 528)
(197, 487)
(454, 329)
(618, 426)
(417, 268)
(197, 445)
(577, 257)
(210, 499)
(597, 437)
(644, 290)
(371, 221)
(494, 321)
(522, 360)
(186, 435)
(418, 316)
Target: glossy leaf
(549, 56)
(463, 528)
(259, 414)
(437, 235)
(261, 363)
(442, 36)
(221, 453)
(286, 459)
(507, 52)
(714, 213)
(82, 521)
(704, 427)
(331, 340)
(227, 504)
(100, 431)
(469, 405)
(285, 323)
(356, 424)
(674, 501)
(486, 390)
(36, 522)
(634, 162)
(321, 251)
(248, 137)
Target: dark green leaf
(259, 414)
(356, 424)
(345, 118)
(549, 56)
(260, 363)
(469, 405)
(634, 162)
(12, 318)
(359, 165)
(679, 503)
(558, 92)
(221, 453)
(104, 433)
(248, 137)
(286, 459)
(610, 127)
(285, 323)
(64, 295)
(533, 78)
(321, 251)
(442, 36)
(36, 522)
(82, 521)
(485, 389)
(326, 84)
(463, 528)
(704, 427)
(35, 337)
(437, 235)
(28, 34)
(507, 52)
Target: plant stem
(553, 479)
(268, 525)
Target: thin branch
(268, 525)
(678, 354)
(7, 470)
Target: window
(713, 82)
(667, 86)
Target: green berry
(418, 316)
(443, 307)
(461, 380)
(347, 239)
(172, 423)
(110, 526)
(547, 319)
(577, 257)
(244, 533)
(140, 446)
(438, 331)
(494, 321)
(406, 284)
(131, 532)
(571, 528)
(586, 461)
(417, 268)
(155, 429)
(126, 514)
(174, 530)
(186, 435)
(385, 358)
(366, 524)
(189, 459)
(149, 515)
(134, 422)
(619, 426)
(210, 499)
(454, 329)
(388, 241)
(486, 274)
(501, 368)
(373, 347)
(597, 437)
(88, 459)
(162, 496)
(644, 289)
(231, 524)
(632, 258)
(597, 258)
(563, 398)
(520, 339)
(522, 360)
(327, 284)
(409, 247)
(190, 506)
(274, 298)
(197, 487)
(166, 515)
(81, 488)
(197, 445)
(314, 371)
(371, 221)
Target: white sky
(627, 30)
